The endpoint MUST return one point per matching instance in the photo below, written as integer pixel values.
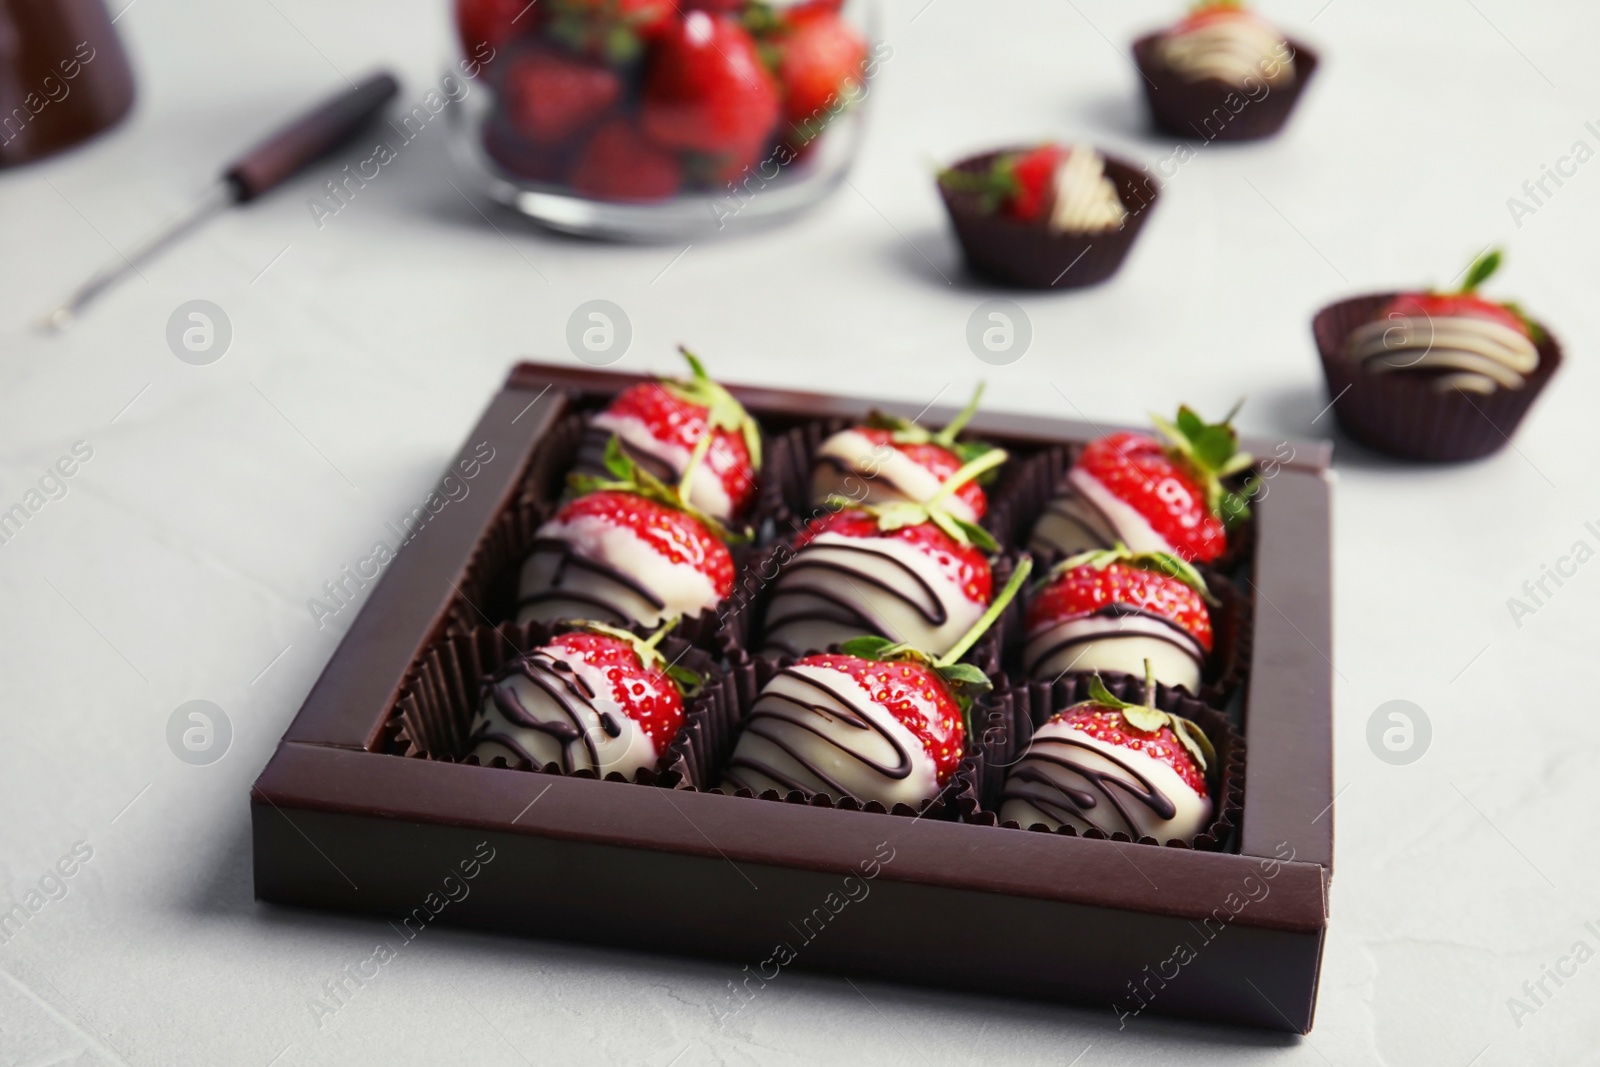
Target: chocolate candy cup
(1400, 414)
(1200, 108)
(1032, 256)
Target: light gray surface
(219, 498)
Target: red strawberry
(613, 30)
(876, 720)
(1020, 185)
(494, 22)
(509, 149)
(549, 97)
(668, 420)
(629, 550)
(676, 537)
(821, 59)
(1108, 765)
(706, 89)
(1174, 491)
(1081, 590)
(961, 563)
(560, 703)
(1464, 302)
(916, 696)
(619, 163)
(1206, 14)
(896, 459)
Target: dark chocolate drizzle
(1065, 802)
(591, 458)
(1180, 638)
(608, 610)
(773, 708)
(570, 693)
(837, 608)
(1090, 518)
(876, 479)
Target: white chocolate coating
(817, 730)
(602, 737)
(595, 577)
(1240, 49)
(1089, 517)
(1085, 200)
(839, 587)
(1115, 643)
(1483, 356)
(851, 465)
(706, 490)
(1110, 807)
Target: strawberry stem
(1482, 270)
(999, 605)
(966, 473)
(946, 438)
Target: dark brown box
(340, 822)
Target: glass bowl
(661, 120)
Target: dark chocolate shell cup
(1402, 415)
(1030, 255)
(1208, 108)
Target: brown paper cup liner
(743, 684)
(545, 480)
(1232, 625)
(433, 715)
(1010, 717)
(1400, 414)
(1030, 255)
(1042, 477)
(1199, 109)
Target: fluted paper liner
(433, 715)
(1401, 414)
(1200, 109)
(1010, 717)
(1030, 255)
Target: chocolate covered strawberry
(892, 459)
(629, 550)
(877, 721)
(1152, 495)
(706, 89)
(593, 698)
(1118, 610)
(1061, 187)
(677, 425)
(1458, 340)
(1108, 765)
(820, 67)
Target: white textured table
(219, 498)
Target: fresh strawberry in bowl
(821, 68)
(674, 425)
(593, 698)
(890, 459)
(913, 572)
(550, 95)
(629, 549)
(1170, 494)
(1116, 610)
(1049, 216)
(1114, 767)
(706, 89)
(877, 720)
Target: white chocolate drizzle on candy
(564, 711)
(838, 587)
(1475, 355)
(1086, 200)
(1236, 47)
(707, 492)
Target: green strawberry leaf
(1482, 270)
(873, 648)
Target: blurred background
(218, 496)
